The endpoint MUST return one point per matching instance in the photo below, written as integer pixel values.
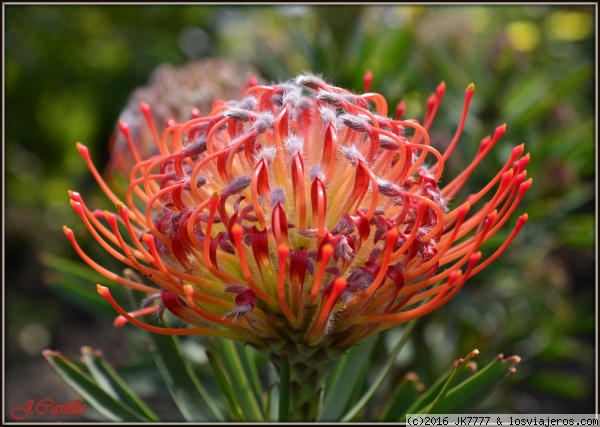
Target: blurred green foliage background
(69, 71)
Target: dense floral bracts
(300, 214)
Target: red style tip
(144, 107)
(283, 251)
(400, 109)
(68, 232)
(523, 161)
(339, 285)
(147, 238)
(393, 233)
(252, 81)
(83, 150)
(367, 79)
(188, 290)
(195, 113)
(236, 233)
(453, 276)
(124, 127)
(431, 102)
(77, 207)
(474, 258)
(518, 150)
(525, 186)
(110, 218)
(326, 251)
(75, 196)
(491, 217)
(103, 290)
(120, 321)
(440, 90)
(521, 221)
(463, 209)
(506, 177)
(500, 130)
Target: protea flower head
(300, 219)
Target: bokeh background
(70, 71)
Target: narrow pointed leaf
(191, 398)
(405, 393)
(269, 407)
(349, 379)
(471, 393)
(425, 399)
(107, 378)
(381, 376)
(252, 371)
(334, 376)
(225, 386)
(461, 364)
(284, 390)
(238, 377)
(77, 291)
(90, 391)
(71, 268)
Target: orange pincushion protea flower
(301, 214)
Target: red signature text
(47, 405)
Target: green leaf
(382, 374)
(75, 269)
(252, 371)
(76, 283)
(106, 377)
(349, 379)
(269, 407)
(284, 387)
(430, 394)
(225, 386)
(461, 364)
(90, 391)
(466, 396)
(405, 393)
(193, 401)
(237, 375)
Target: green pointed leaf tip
(466, 396)
(407, 390)
(90, 357)
(426, 398)
(92, 393)
(108, 379)
(459, 367)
